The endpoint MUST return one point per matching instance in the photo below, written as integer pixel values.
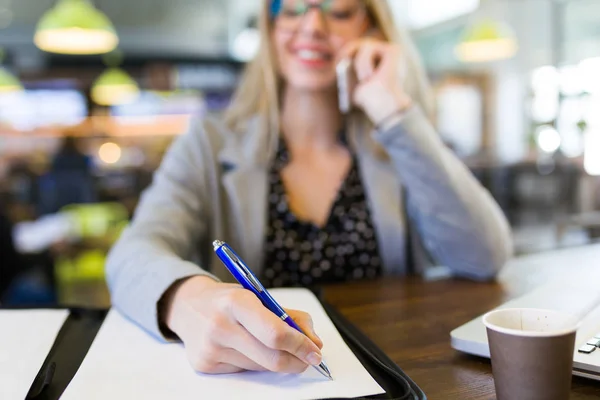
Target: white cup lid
(531, 322)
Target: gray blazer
(212, 184)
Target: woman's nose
(314, 22)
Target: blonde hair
(259, 88)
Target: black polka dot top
(298, 253)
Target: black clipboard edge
(80, 328)
(67, 353)
(386, 372)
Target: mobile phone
(346, 77)
(345, 82)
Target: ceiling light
(8, 82)
(246, 44)
(487, 40)
(591, 157)
(588, 70)
(114, 87)
(109, 153)
(548, 139)
(75, 27)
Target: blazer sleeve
(458, 221)
(156, 249)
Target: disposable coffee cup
(532, 353)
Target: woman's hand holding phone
(379, 70)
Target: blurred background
(517, 95)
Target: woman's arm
(460, 224)
(224, 327)
(154, 251)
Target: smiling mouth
(313, 55)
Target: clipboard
(79, 330)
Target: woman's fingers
(222, 368)
(231, 348)
(367, 58)
(234, 358)
(349, 50)
(227, 329)
(267, 358)
(366, 55)
(273, 333)
(305, 322)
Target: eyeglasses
(341, 15)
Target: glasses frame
(277, 7)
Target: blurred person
(69, 180)
(21, 183)
(69, 157)
(306, 195)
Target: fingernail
(313, 359)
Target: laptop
(579, 296)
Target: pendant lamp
(114, 87)
(75, 27)
(487, 40)
(8, 82)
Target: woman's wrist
(393, 117)
(393, 108)
(391, 120)
(176, 296)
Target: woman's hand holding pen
(379, 68)
(226, 329)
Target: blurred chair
(11, 262)
(537, 197)
(99, 220)
(24, 280)
(80, 273)
(62, 188)
(588, 222)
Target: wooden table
(411, 320)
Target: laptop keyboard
(579, 298)
(591, 345)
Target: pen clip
(243, 270)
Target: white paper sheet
(125, 363)
(26, 337)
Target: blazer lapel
(246, 190)
(244, 162)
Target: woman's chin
(312, 85)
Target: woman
(297, 188)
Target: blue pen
(249, 281)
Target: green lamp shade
(75, 27)
(114, 87)
(8, 82)
(485, 41)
